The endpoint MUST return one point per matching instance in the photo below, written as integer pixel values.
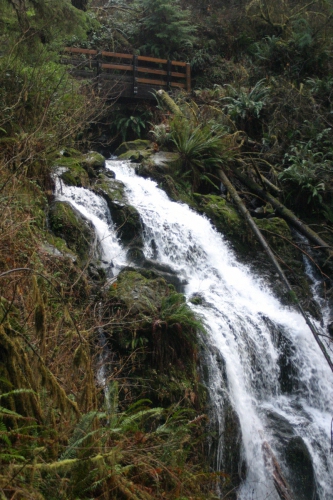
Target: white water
(237, 312)
(95, 209)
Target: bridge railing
(136, 73)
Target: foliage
(31, 18)
(166, 28)
(130, 123)
(246, 104)
(309, 170)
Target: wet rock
(224, 432)
(93, 160)
(138, 145)
(330, 329)
(69, 224)
(135, 156)
(124, 215)
(96, 273)
(301, 474)
(295, 458)
(137, 257)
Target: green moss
(110, 188)
(93, 160)
(136, 155)
(137, 145)
(225, 217)
(125, 216)
(140, 295)
(59, 244)
(277, 232)
(158, 322)
(75, 174)
(69, 224)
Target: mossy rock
(93, 160)
(140, 295)
(137, 145)
(67, 223)
(111, 189)
(136, 156)
(276, 231)
(225, 217)
(73, 173)
(158, 326)
(125, 216)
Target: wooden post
(188, 77)
(169, 69)
(98, 64)
(135, 75)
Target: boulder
(69, 224)
(138, 145)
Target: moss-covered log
(284, 212)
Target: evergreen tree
(166, 28)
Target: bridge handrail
(96, 59)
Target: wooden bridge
(127, 75)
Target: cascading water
(262, 357)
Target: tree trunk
(233, 193)
(284, 212)
(168, 102)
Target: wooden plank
(178, 75)
(122, 67)
(152, 71)
(116, 54)
(162, 83)
(76, 50)
(152, 59)
(178, 63)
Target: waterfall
(262, 361)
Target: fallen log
(168, 102)
(284, 212)
(242, 208)
(279, 480)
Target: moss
(79, 168)
(136, 156)
(69, 224)
(160, 328)
(93, 160)
(59, 244)
(225, 217)
(125, 216)
(140, 294)
(75, 174)
(113, 189)
(275, 230)
(138, 145)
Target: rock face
(294, 453)
(67, 223)
(79, 169)
(153, 321)
(138, 145)
(125, 216)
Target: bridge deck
(127, 75)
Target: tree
(166, 27)
(42, 17)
